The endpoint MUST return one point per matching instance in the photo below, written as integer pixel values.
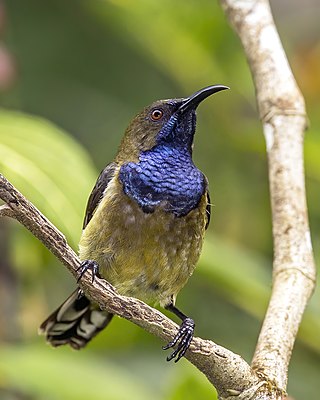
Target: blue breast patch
(166, 176)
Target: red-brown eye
(156, 114)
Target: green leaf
(49, 167)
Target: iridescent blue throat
(164, 175)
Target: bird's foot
(88, 265)
(182, 339)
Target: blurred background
(72, 75)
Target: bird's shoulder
(98, 191)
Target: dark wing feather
(208, 210)
(75, 322)
(98, 190)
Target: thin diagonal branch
(282, 110)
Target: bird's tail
(75, 322)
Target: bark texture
(282, 111)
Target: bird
(144, 223)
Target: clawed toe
(182, 339)
(88, 265)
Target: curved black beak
(194, 100)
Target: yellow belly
(148, 256)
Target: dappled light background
(72, 75)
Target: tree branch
(227, 371)
(282, 111)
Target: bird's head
(170, 121)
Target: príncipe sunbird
(144, 224)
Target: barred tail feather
(75, 322)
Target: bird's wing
(98, 190)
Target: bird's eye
(156, 114)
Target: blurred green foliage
(43, 161)
(88, 67)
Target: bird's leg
(88, 265)
(183, 337)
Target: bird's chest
(145, 255)
(154, 253)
